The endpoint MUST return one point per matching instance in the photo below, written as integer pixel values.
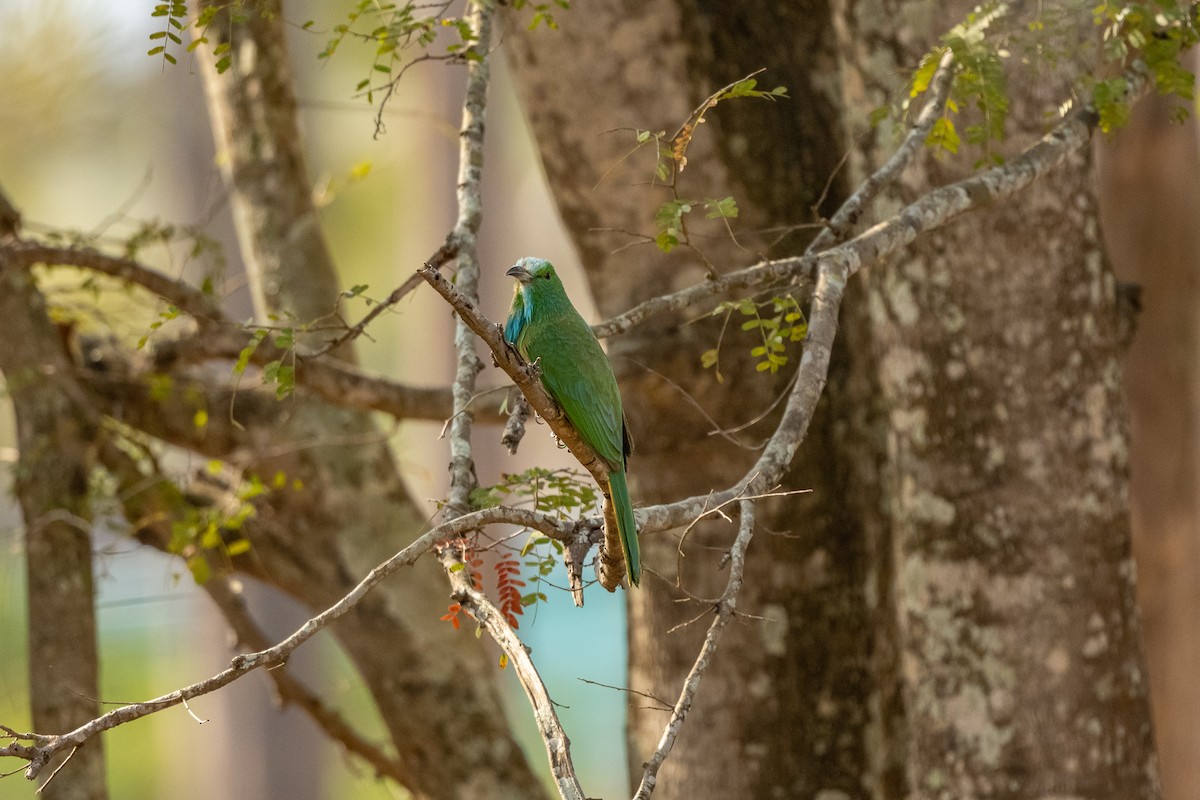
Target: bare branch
(466, 229)
(558, 746)
(847, 216)
(930, 212)
(725, 608)
(25, 254)
(46, 746)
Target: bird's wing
(576, 373)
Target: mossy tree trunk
(950, 612)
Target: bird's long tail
(626, 525)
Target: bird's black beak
(520, 273)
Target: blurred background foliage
(99, 138)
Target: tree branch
(725, 608)
(558, 745)
(847, 215)
(46, 746)
(336, 382)
(24, 254)
(469, 195)
(930, 212)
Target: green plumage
(544, 326)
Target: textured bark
(1149, 180)
(1005, 484)
(647, 66)
(433, 688)
(54, 435)
(950, 614)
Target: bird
(544, 327)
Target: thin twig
(58, 769)
(443, 256)
(931, 211)
(665, 706)
(46, 746)
(25, 254)
(844, 220)
(558, 745)
(725, 609)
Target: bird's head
(533, 271)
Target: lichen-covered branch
(725, 608)
(558, 745)
(932, 211)
(847, 216)
(466, 229)
(45, 747)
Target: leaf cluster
(201, 531)
(1154, 33)
(564, 492)
(783, 323)
(280, 372)
(394, 30)
(669, 219)
(979, 91)
(1158, 33)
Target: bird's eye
(546, 276)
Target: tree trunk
(800, 678)
(1149, 182)
(54, 434)
(950, 613)
(434, 688)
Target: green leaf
(943, 135)
(238, 547)
(198, 566)
(923, 76)
(726, 207)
